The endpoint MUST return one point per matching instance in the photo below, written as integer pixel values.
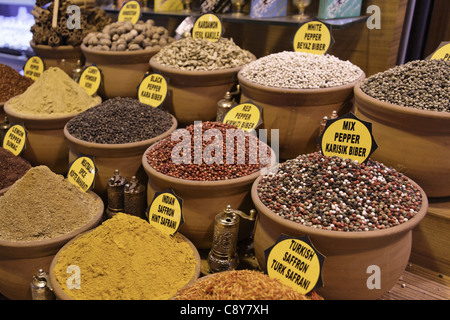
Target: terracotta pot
(20, 261)
(193, 95)
(63, 57)
(126, 157)
(61, 295)
(415, 142)
(122, 71)
(297, 113)
(203, 200)
(45, 144)
(347, 254)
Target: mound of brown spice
(241, 285)
(12, 83)
(44, 205)
(11, 168)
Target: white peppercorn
(299, 70)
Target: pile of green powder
(44, 205)
(53, 93)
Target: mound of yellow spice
(126, 258)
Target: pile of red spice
(12, 83)
(12, 168)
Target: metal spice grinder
(223, 255)
(41, 288)
(135, 198)
(115, 191)
(223, 106)
(4, 127)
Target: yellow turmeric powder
(126, 258)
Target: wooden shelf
(280, 21)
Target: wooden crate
(431, 238)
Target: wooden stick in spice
(55, 13)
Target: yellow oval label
(90, 79)
(153, 90)
(130, 11)
(164, 213)
(14, 139)
(34, 67)
(245, 116)
(348, 138)
(207, 26)
(82, 173)
(313, 37)
(296, 263)
(442, 53)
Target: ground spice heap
(44, 205)
(299, 70)
(12, 83)
(419, 84)
(339, 194)
(127, 258)
(241, 285)
(11, 168)
(120, 120)
(194, 157)
(54, 93)
(203, 55)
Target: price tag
(443, 52)
(245, 116)
(296, 263)
(349, 138)
(313, 37)
(165, 212)
(153, 90)
(34, 67)
(82, 173)
(207, 26)
(14, 139)
(90, 79)
(130, 11)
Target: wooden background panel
(372, 50)
(439, 29)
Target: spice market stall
(359, 216)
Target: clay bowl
(63, 57)
(414, 142)
(122, 71)
(20, 261)
(297, 113)
(45, 144)
(61, 295)
(203, 200)
(193, 95)
(126, 157)
(347, 254)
